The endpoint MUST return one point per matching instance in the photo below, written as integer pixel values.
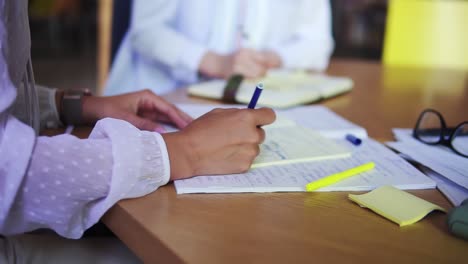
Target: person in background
(172, 43)
(66, 184)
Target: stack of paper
(449, 170)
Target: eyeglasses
(431, 129)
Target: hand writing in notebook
(221, 141)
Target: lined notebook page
(390, 169)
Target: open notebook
(285, 141)
(390, 168)
(283, 89)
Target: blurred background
(63, 42)
(65, 36)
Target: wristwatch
(72, 106)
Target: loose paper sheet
(440, 159)
(316, 117)
(454, 192)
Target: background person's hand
(143, 109)
(220, 142)
(248, 62)
(273, 60)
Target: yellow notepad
(289, 143)
(396, 205)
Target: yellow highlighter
(334, 178)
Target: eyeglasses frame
(443, 140)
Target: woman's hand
(248, 62)
(143, 109)
(220, 142)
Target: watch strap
(230, 90)
(72, 107)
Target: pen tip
(260, 85)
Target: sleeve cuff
(193, 58)
(189, 62)
(48, 108)
(140, 155)
(165, 158)
(285, 59)
(140, 165)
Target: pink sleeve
(70, 183)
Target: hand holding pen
(223, 141)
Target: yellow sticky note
(398, 206)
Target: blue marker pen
(256, 95)
(353, 139)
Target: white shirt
(167, 38)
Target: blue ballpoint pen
(255, 96)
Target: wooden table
(165, 227)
